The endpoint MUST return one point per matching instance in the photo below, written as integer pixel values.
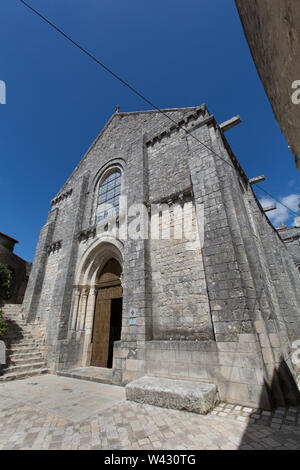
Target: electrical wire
(136, 92)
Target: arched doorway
(108, 314)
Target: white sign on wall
(132, 313)
(132, 316)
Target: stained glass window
(109, 196)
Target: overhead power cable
(136, 92)
(277, 200)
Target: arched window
(109, 196)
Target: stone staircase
(23, 354)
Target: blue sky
(176, 53)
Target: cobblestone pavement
(52, 412)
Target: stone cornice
(176, 127)
(61, 197)
(54, 247)
(179, 196)
(84, 235)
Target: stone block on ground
(197, 397)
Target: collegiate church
(196, 284)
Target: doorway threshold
(94, 374)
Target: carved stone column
(86, 358)
(75, 308)
(91, 308)
(84, 301)
(79, 311)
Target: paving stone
(142, 426)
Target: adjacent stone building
(272, 30)
(157, 259)
(20, 269)
(291, 237)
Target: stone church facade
(219, 304)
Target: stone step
(25, 367)
(18, 341)
(23, 375)
(16, 325)
(23, 344)
(22, 347)
(27, 360)
(12, 307)
(91, 373)
(23, 355)
(22, 352)
(197, 397)
(11, 315)
(8, 313)
(11, 311)
(18, 335)
(14, 317)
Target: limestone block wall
(45, 304)
(168, 163)
(65, 207)
(35, 283)
(291, 238)
(216, 187)
(272, 31)
(277, 320)
(21, 270)
(180, 306)
(236, 367)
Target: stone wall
(272, 31)
(180, 307)
(51, 272)
(291, 238)
(20, 274)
